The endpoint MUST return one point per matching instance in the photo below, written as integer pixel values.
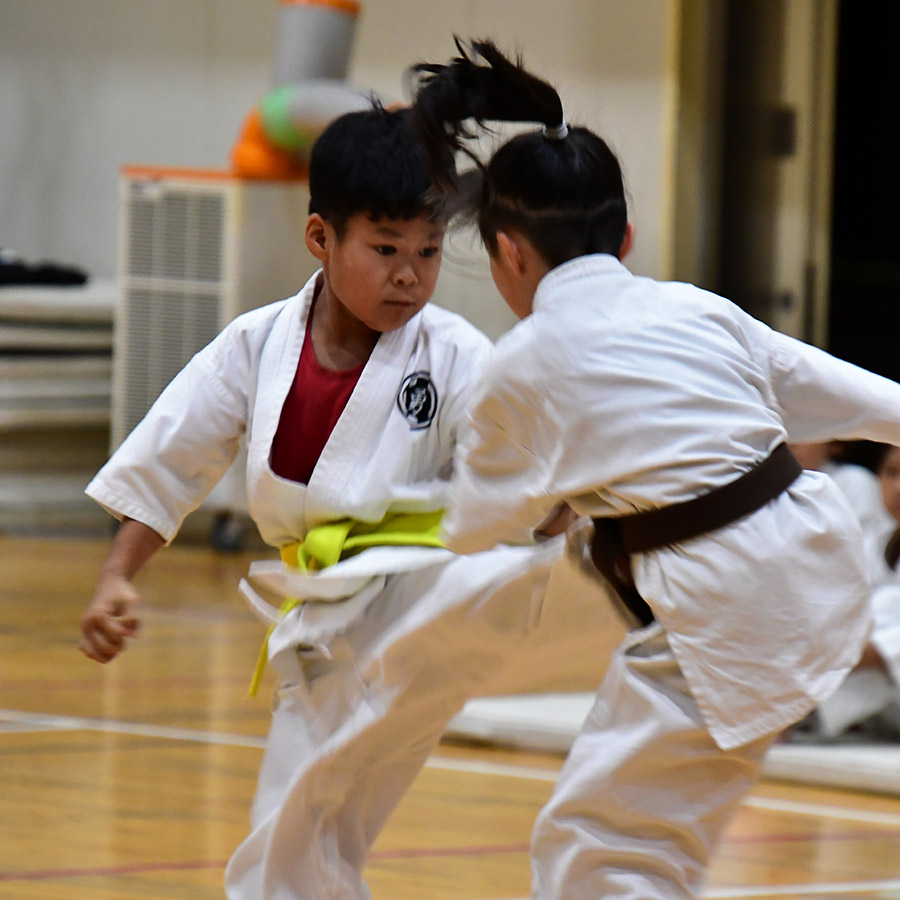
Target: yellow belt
(328, 544)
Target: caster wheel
(228, 533)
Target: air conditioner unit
(197, 248)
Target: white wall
(88, 86)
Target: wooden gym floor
(134, 780)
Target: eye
(429, 252)
(385, 249)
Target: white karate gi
(886, 640)
(408, 633)
(621, 394)
(863, 492)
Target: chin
(392, 323)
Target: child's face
(889, 474)
(383, 272)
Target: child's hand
(557, 522)
(110, 619)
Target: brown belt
(616, 538)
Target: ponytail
(560, 185)
(501, 91)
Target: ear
(510, 252)
(627, 241)
(317, 237)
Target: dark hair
(371, 162)
(565, 195)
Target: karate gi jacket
(621, 394)
(391, 450)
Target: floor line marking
(24, 728)
(80, 723)
(482, 767)
(822, 810)
(42, 722)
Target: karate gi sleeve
(172, 459)
(821, 397)
(498, 491)
(467, 372)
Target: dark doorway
(864, 307)
(754, 43)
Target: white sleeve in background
(863, 491)
(165, 468)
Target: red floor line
(132, 869)
(418, 852)
(141, 868)
(412, 853)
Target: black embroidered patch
(418, 399)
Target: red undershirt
(311, 410)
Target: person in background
(867, 704)
(858, 484)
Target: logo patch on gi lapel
(418, 399)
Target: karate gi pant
(350, 733)
(645, 792)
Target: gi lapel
(360, 428)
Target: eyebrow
(387, 231)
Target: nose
(405, 275)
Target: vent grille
(165, 328)
(174, 233)
(172, 289)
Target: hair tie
(557, 133)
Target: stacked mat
(55, 384)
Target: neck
(341, 341)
